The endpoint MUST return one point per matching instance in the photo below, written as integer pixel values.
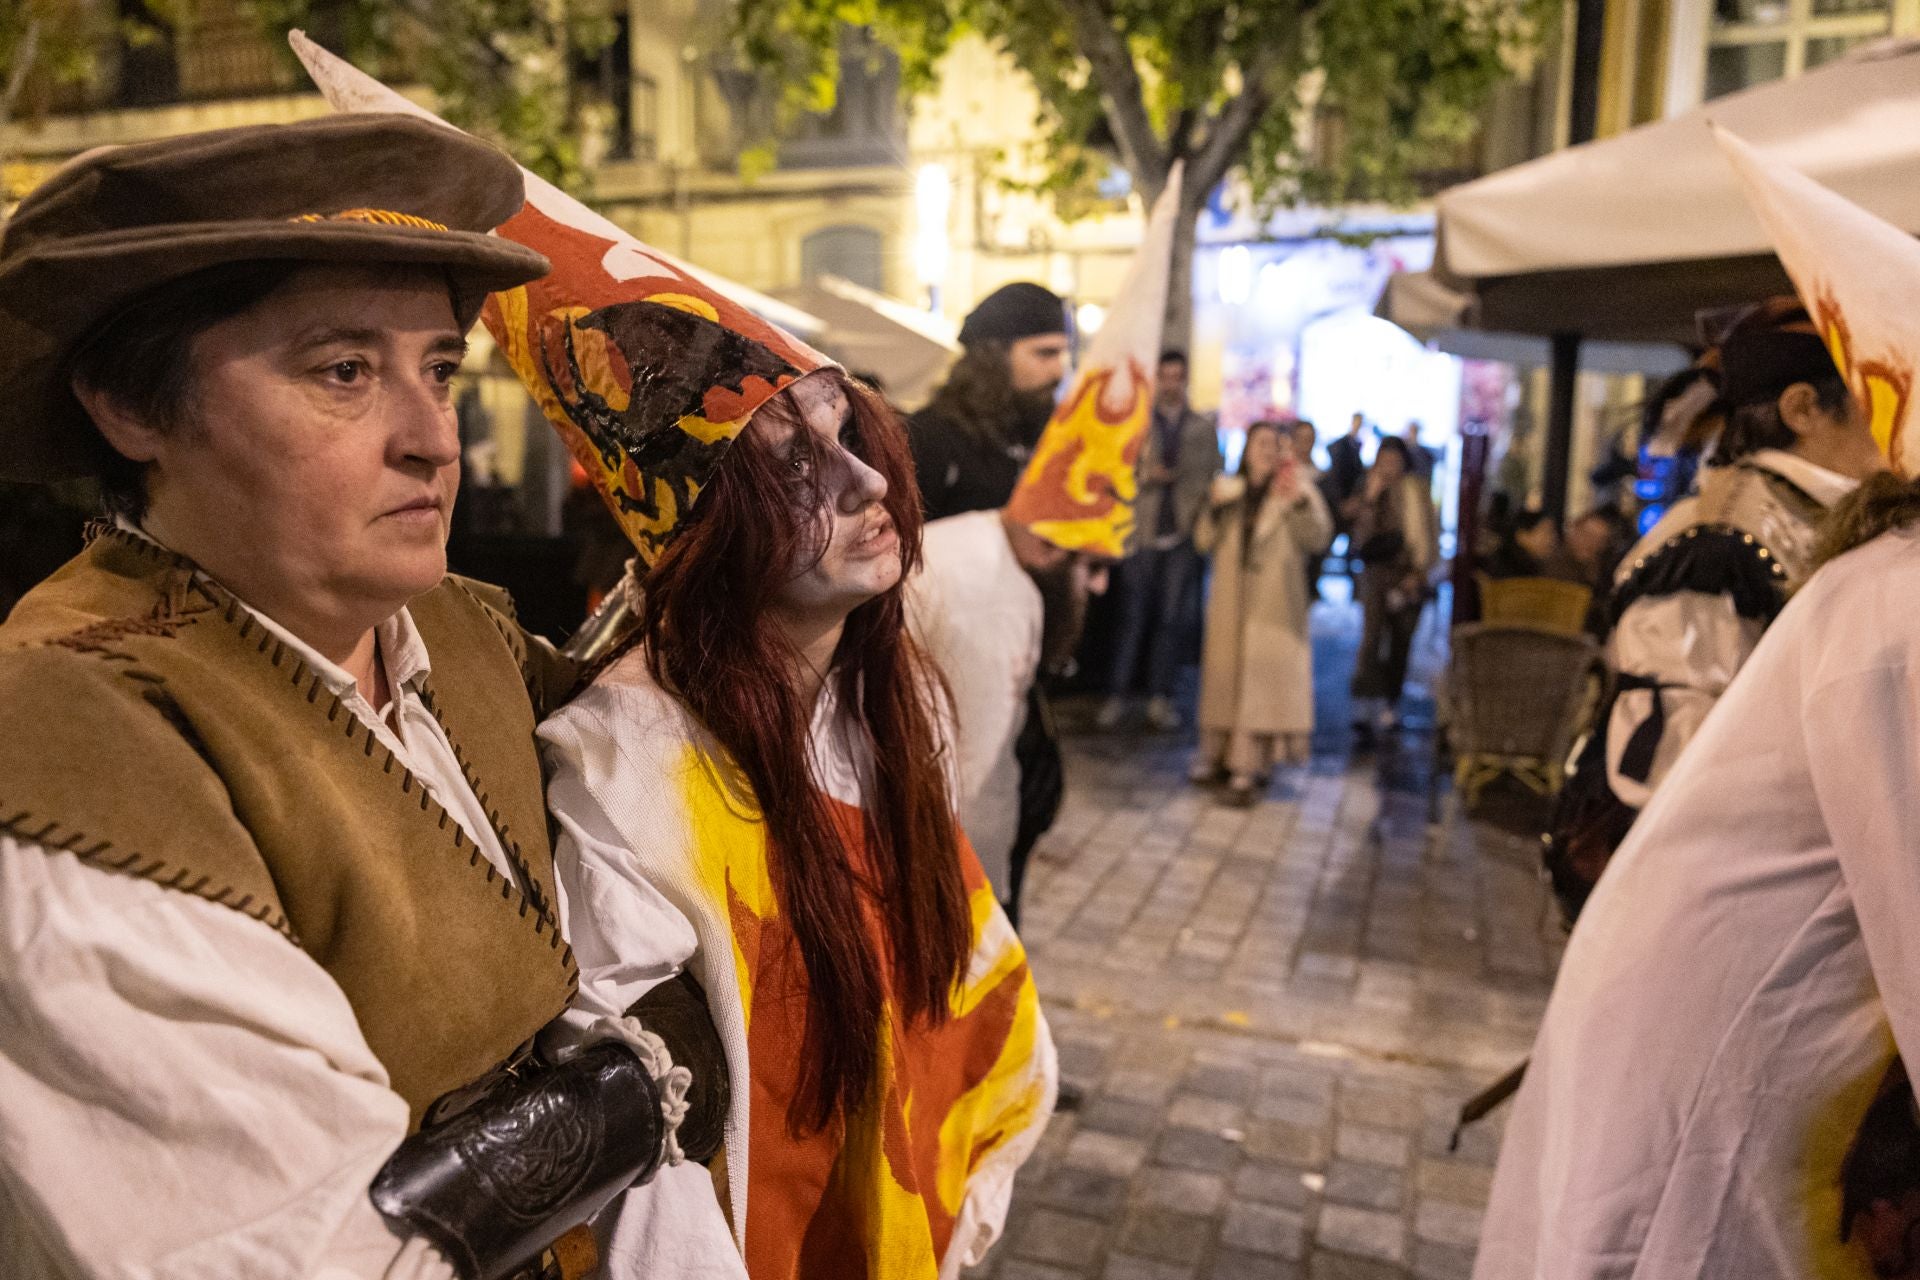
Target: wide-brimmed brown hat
(119, 221)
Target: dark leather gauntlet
(531, 1156)
(676, 1011)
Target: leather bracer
(536, 1153)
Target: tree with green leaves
(47, 46)
(1308, 101)
(510, 70)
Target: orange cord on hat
(385, 217)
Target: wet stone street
(1273, 1014)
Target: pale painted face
(855, 554)
(1037, 363)
(316, 473)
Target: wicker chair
(1516, 697)
(1546, 604)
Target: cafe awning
(870, 333)
(1628, 237)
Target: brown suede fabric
(155, 729)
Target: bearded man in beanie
(974, 438)
(1728, 1009)
(277, 918)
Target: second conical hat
(1859, 277)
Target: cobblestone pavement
(1273, 1014)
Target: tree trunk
(1178, 330)
(25, 55)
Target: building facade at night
(925, 203)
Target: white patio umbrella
(1628, 237)
(869, 332)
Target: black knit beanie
(1013, 312)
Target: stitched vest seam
(16, 827)
(234, 614)
(543, 915)
(545, 925)
(516, 643)
(96, 640)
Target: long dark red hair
(710, 641)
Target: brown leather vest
(154, 728)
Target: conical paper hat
(1859, 277)
(1079, 488)
(647, 368)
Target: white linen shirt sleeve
(627, 938)
(989, 664)
(183, 1092)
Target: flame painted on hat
(1883, 388)
(647, 374)
(1079, 489)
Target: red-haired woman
(757, 791)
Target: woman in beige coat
(1262, 526)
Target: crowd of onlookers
(1259, 537)
(1246, 549)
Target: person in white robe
(1735, 990)
(996, 606)
(979, 615)
(1002, 597)
(1719, 1023)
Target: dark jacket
(1196, 463)
(1346, 471)
(1511, 560)
(958, 470)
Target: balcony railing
(214, 62)
(231, 59)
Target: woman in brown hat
(274, 868)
